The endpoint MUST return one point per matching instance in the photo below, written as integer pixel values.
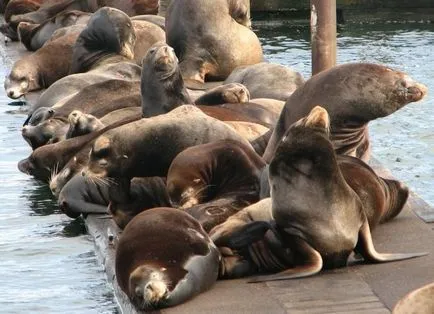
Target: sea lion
(418, 301)
(81, 123)
(39, 115)
(123, 200)
(353, 94)
(211, 52)
(108, 37)
(227, 171)
(34, 36)
(303, 173)
(158, 20)
(153, 277)
(74, 83)
(267, 80)
(128, 198)
(147, 34)
(41, 68)
(51, 130)
(147, 147)
(47, 159)
(79, 161)
(16, 7)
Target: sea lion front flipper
(248, 234)
(366, 248)
(311, 259)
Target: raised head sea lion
(164, 258)
(224, 170)
(211, 38)
(41, 68)
(147, 147)
(353, 94)
(317, 217)
(267, 80)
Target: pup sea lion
(304, 173)
(147, 147)
(267, 80)
(153, 277)
(227, 171)
(211, 52)
(41, 68)
(353, 94)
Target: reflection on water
(48, 263)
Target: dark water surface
(48, 263)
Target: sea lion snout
(318, 117)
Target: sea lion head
(81, 123)
(22, 79)
(161, 58)
(305, 149)
(48, 131)
(148, 287)
(240, 12)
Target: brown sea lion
(353, 94)
(51, 130)
(317, 217)
(34, 36)
(15, 7)
(41, 68)
(158, 20)
(267, 80)
(81, 123)
(153, 277)
(211, 52)
(147, 147)
(74, 83)
(79, 161)
(418, 301)
(147, 34)
(227, 171)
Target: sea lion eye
(152, 50)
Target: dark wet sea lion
(267, 80)
(224, 170)
(153, 277)
(47, 159)
(39, 115)
(51, 130)
(109, 34)
(147, 147)
(211, 52)
(353, 94)
(122, 200)
(129, 198)
(317, 217)
(41, 68)
(34, 36)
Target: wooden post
(323, 34)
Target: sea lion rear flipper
(366, 248)
(312, 264)
(249, 234)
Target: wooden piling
(323, 34)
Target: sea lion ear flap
(318, 117)
(248, 234)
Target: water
(48, 263)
